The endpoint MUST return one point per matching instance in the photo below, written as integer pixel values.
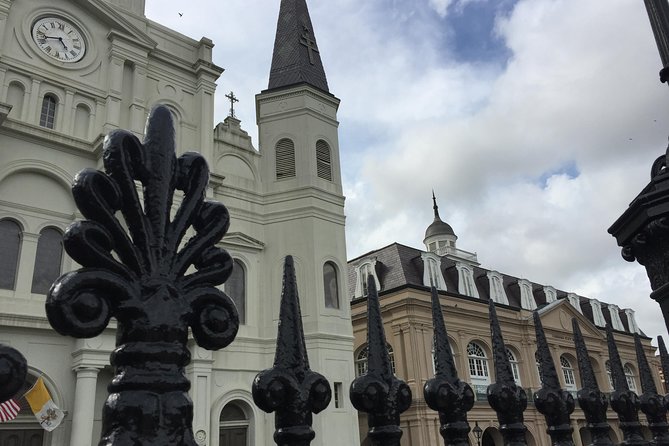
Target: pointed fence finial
(290, 388)
(445, 393)
(554, 403)
(378, 392)
(507, 398)
(652, 404)
(593, 402)
(623, 401)
(13, 370)
(664, 361)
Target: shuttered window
(285, 159)
(323, 160)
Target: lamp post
(478, 433)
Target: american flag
(9, 410)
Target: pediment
(557, 316)
(243, 241)
(120, 26)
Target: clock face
(59, 39)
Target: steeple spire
(296, 58)
(435, 207)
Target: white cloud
(440, 6)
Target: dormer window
(526, 297)
(575, 301)
(616, 323)
(497, 293)
(432, 275)
(362, 272)
(466, 283)
(550, 293)
(597, 315)
(631, 321)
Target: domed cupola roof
(438, 227)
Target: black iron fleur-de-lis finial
(13, 369)
(552, 401)
(290, 388)
(652, 404)
(445, 393)
(623, 401)
(142, 279)
(593, 402)
(378, 392)
(664, 361)
(507, 398)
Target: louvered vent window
(323, 161)
(285, 159)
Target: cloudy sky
(534, 121)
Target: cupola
(439, 236)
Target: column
(84, 406)
(199, 373)
(138, 105)
(65, 115)
(24, 275)
(113, 105)
(33, 102)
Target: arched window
(10, 246)
(235, 287)
(331, 285)
(629, 376)
(47, 117)
(285, 159)
(568, 373)
(466, 284)
(514, 366)
(15, 96)
(47, 260)
(323, 160)
(82, 119)
(478, 364)
(233, 425)
(361, 360)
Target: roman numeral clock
(59, 39)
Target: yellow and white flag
(46, 412)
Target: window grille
(285, 159)
(478, 363)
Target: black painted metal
(658, 13)
(378, 392)
(13, 369)
(145, 285)
(554, 403)
(445, 393)
(593, 402)
(664, 360)
(652, 404)
(290, 388)
(623, 401)
(504, 396)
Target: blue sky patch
(570, 169)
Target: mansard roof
(400, 266)
(296, 58)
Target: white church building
(71, 71)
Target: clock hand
(63, 43)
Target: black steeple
(296, 58)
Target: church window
(568, 373)
(235, 287)
(47, 116)
(285, 159)
(432, 275)
(362, 360)
(478, 364)
(466, 284)
(323, 160)
(331, 285)
(48, 260)
(497, 292)
(233, 425)
(10, 246)
(616, 322)
(82, 119)
(514, 366)
(597, 315)
(15, 96)
(526, 296)
(629, 377)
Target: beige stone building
(403, 275)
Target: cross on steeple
(233, 99)
(310, 43)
